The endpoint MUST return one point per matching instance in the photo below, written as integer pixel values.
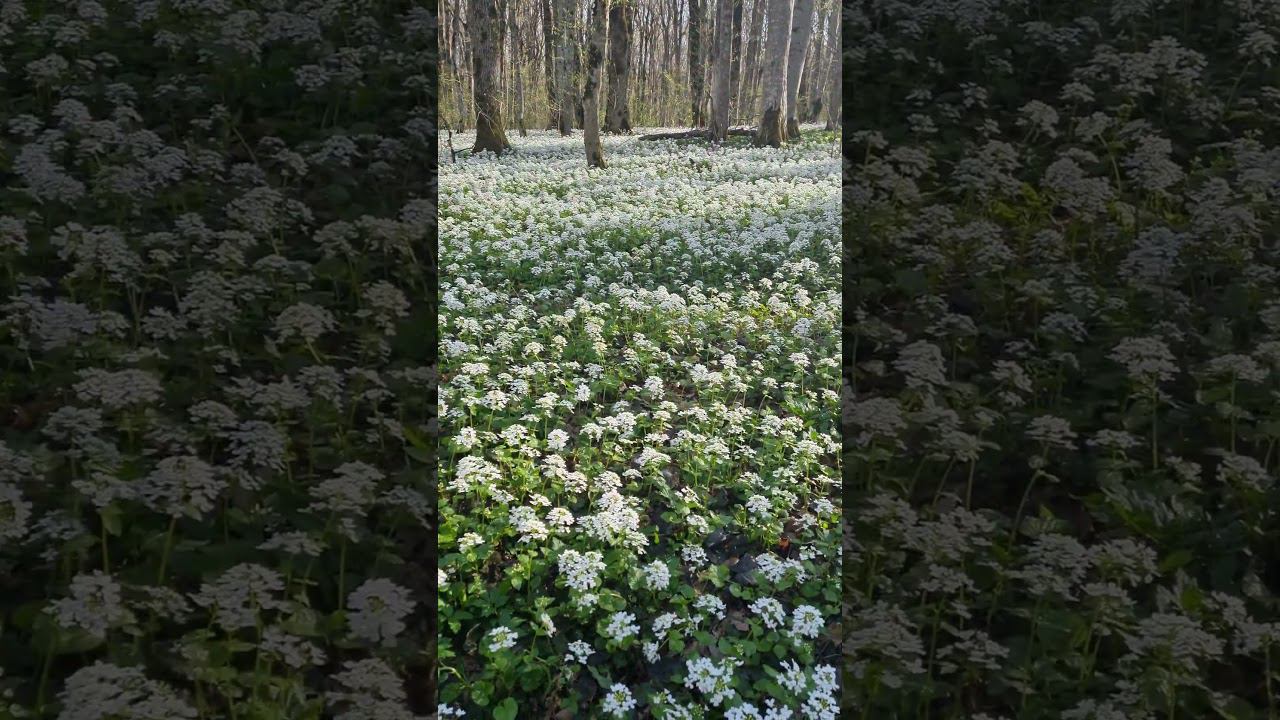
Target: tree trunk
(459, 62)
(751, 69)
(735, 63)
(774, 75)
(708, 49)
(591, 92)
(486, 25)
(833, 72)
(695, 61)
(801, 30)
(814, 91)
(517, 67)
(577, 46)
(549, 61)
(722, 50)
(564, 50)
(617, 117)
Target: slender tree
(457, 54)
(721, 52)
(833, 70)
(801, 30)
(485, 23)
(577, 62)
(735, 67)
(695, 61)
(708, 37)
(617, 118)
(774, 75)
(591, 91)
(549, 64)
(564, 17)
(517, 66)
(751, 71)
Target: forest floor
(1062, 362)
(639, 502)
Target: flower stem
(168, 546)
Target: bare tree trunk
(580, 35)
(641, 61)
(774, 74)
(591, 92)
(721, 49)
(695, 61)
(735, 63)
(486, 25)
(811, 87)
(834, 100)
(708, 40)
(517, 67)
(617, 117)
(518, 76)
(564, 82)
(801, 30)
(459, 62)
(549, 62)
(751, 71)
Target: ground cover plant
(214, 228)
(639, 506)
(1062, 345)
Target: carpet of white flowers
(639, 484)
(1062, 358)
(215, 351)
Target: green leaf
(1175, 560)
(505, 710)
(111, 519)
(1236, 709)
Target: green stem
(342, 568)
(1155, 439)
(106, 558)
(168, 546)
(44, 676)
(1022, 505)
(1233, 414)
(968, 490)
(1271, 697)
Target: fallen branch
(697, 134)
(686, 135)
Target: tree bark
(549, 62)
(810, 97)
(591, 92)
(617, 115)
(458, 53)
(722, 50)
(517, 67)
(695, 61)
(833, 72)
(564, 51)
(751, 69)
(486, 25)
(774, 75)
(735, 63)
(581, 35)
(801, 30)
